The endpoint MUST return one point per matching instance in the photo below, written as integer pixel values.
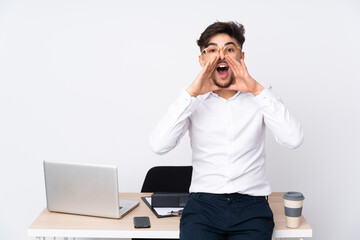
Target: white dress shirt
(227, 138)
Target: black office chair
(167, 179)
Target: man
(226, 111)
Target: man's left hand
(244, 82)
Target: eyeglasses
(213, 50)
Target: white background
(86, 81)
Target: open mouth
(223, 70)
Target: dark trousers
(226, 216)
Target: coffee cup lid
(294, 196)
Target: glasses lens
(211, 50)
(230, 50)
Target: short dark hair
(233, 29)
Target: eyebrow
(215, 44)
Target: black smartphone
(141, 222)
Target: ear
(201, 61)
(242, 55)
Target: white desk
(49, 224)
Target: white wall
(86, 81)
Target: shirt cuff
(190, 102)
(266, 98)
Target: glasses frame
(220, 49)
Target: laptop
(85, 189)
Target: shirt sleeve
(285, 128)
(172, 127)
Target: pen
(176, 213)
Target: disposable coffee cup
(293, 204)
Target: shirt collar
(207, 95)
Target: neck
(225, 93)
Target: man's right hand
(203, 82)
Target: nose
(222, 55)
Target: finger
(208, 64)
(234, 65)
(213, 63)
(242, 62)
(233, 61)
(208, 68)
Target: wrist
(191, 93)
(257, 89)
